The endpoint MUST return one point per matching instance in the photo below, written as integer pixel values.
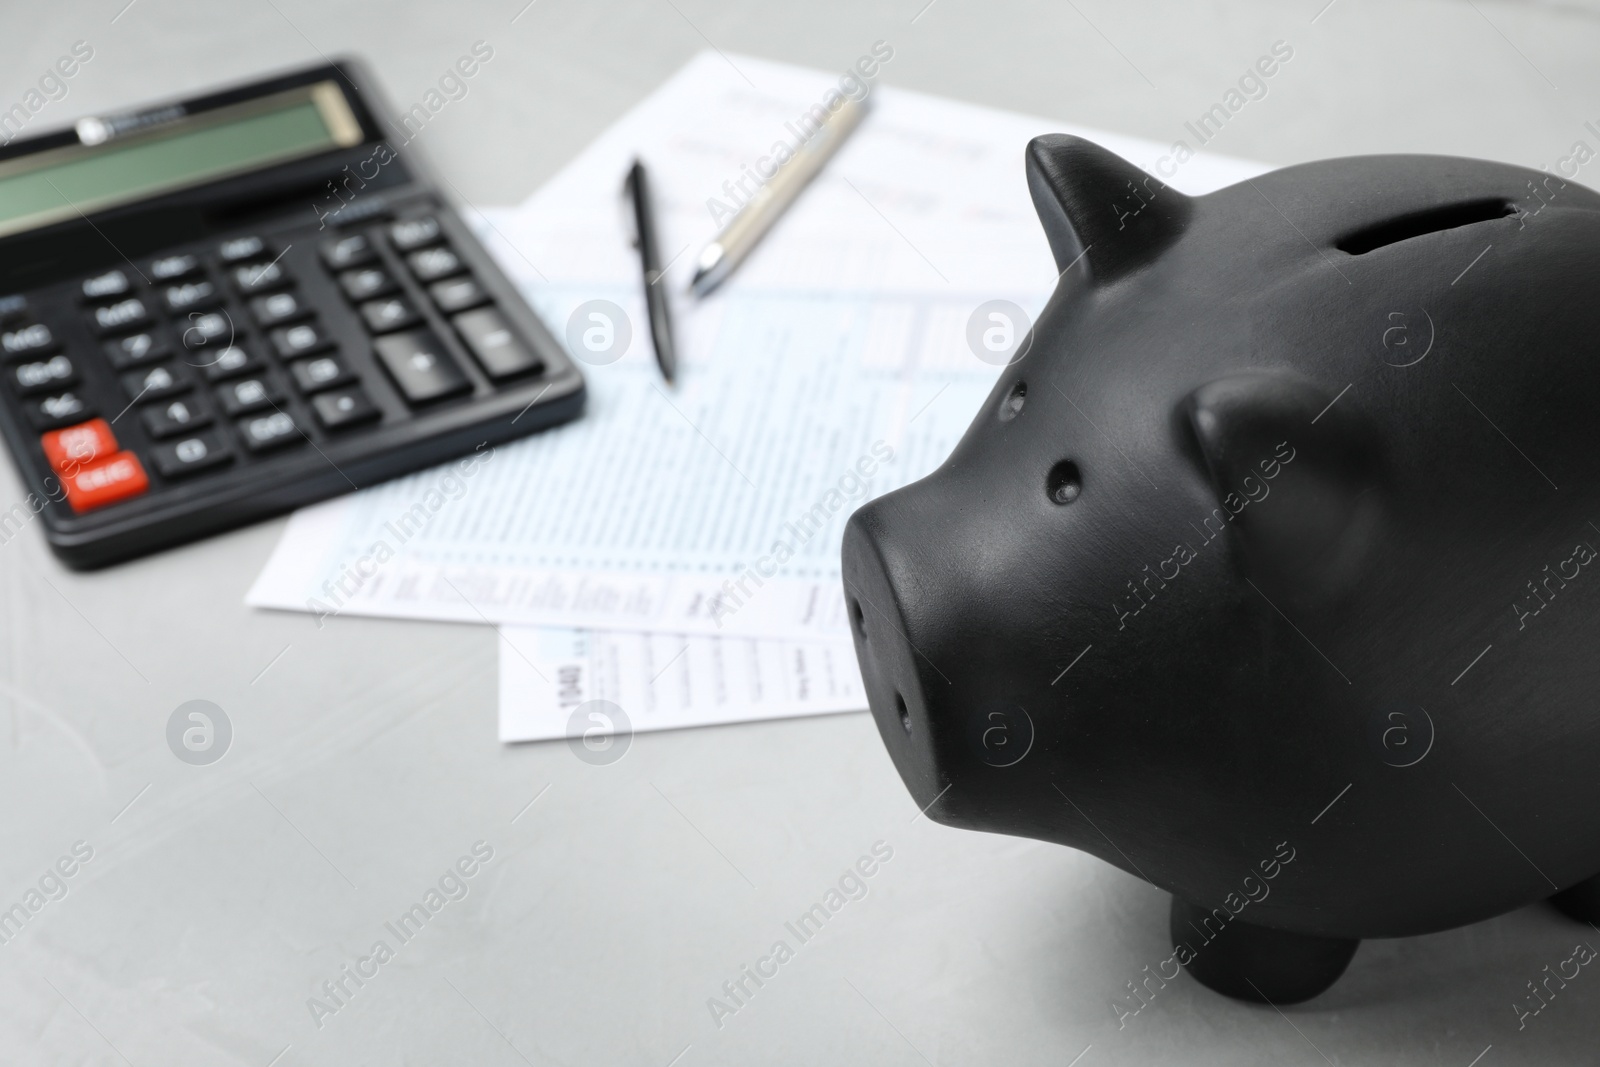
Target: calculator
(222, 308)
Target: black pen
(655, 294)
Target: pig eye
(1011, 406)
(1064, 483)
(905, 715)
(858, 617)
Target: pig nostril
(1011, 406)
(859, 618)
(905, 716)
(1064, 484)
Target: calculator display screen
(64, 183)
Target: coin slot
(1421, 223)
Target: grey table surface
(364, 763)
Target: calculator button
(319, 373)
(43, 375)
(227, 362)
(279, 307)
(134, 349)
(431, 264)
(269, 431)
(239, 248)
(171, 268)
(174, 417)
(298, 340)
(123, 315)
(258, 277)
(164, 379)
(57, 410)
(26, 340)
(343, 407)
(392, 313)
(189, 295)
(490, 339)
(351, 250)
(12, 306)
(115, 478)
(206, 327)
(189, 455)
(366, 283)
(408, 234)
(101, 286)
(247, 395)
(78, 446)
(457, 294)
(420, 366)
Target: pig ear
(1098, 207)
(1297, 473)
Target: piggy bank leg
(1248, 962)
(1581, 902)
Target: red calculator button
(106, 482)
(73, 447)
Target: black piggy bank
(1267, 572)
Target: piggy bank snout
(888, 590)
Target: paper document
(834, 366)
(715, 508)
(549, 675)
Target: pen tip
(708, 269)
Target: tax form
(664, 681)
(832, 367)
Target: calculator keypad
(189, 295)
(265, 432)
(319, 372)
(431, 264)
(216, 358)
(80, 445)
(277, 308)
(230, 361)
(43, 375)
(241, 248)
(34, 337)
(258, 277)
(161, 380)
(409, 234)
(171, 268)
(106, 482)
(490, 338)
(134, 349)
(247, 395)
(421, 367)
(103, 286)
(298, 340)
(458, 294)
(201, 331)
(343, 408)
(350, 250)
(174, 417)
(389, 314)
(366, 283)
(192, 454)
(57, 410)
(123, 315)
